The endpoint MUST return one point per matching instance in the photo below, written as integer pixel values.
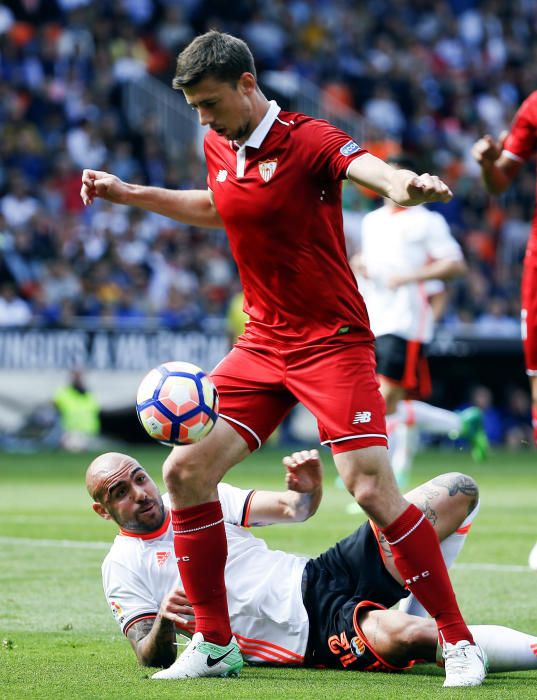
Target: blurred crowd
(426, 77)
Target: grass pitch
(58, 638)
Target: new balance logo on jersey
(267, 168)
(221, 176)
(362, 417)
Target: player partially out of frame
(500, 162)
(274, 184)
(285, 609)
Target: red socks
(201, 550)
(534, 423)
(418, 558)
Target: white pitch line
(514, 568)
(81, 544)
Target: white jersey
(269, 619)
(396, 242)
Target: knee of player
(183, 467)
(367, 492)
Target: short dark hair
(213, 54)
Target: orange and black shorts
(345, 579)
(404, 362)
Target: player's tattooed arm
(154, 641)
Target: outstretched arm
(194, 207)
(404, 187)
(303, 479)
(497, 168)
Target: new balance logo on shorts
(361, 417)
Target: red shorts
(528, 316)
(260, 382)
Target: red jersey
(279, 196)
(521, 144)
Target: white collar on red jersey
(257, 136)
(260, 132)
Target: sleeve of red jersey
(522, 138)
(327, 151)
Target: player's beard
(145, 523)
(242, 132)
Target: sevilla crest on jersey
(267, 168)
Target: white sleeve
(439, 241)
(235, 504)
(433, 287)
(128, 596)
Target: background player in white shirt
(285, 609)
(403, 252)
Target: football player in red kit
(274, 184)
(500, 162)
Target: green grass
(58, 639)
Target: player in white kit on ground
(284, 609)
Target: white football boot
(465, 663)
(203, 659)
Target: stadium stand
(434, 77)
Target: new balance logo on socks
(362, 417)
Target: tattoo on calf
(429, 512)
(456, 483)
(386, 549)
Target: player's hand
(96, 183)
(486, 150)
(175, 605)
(304, 471)
(397, 281)
(425, 188)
